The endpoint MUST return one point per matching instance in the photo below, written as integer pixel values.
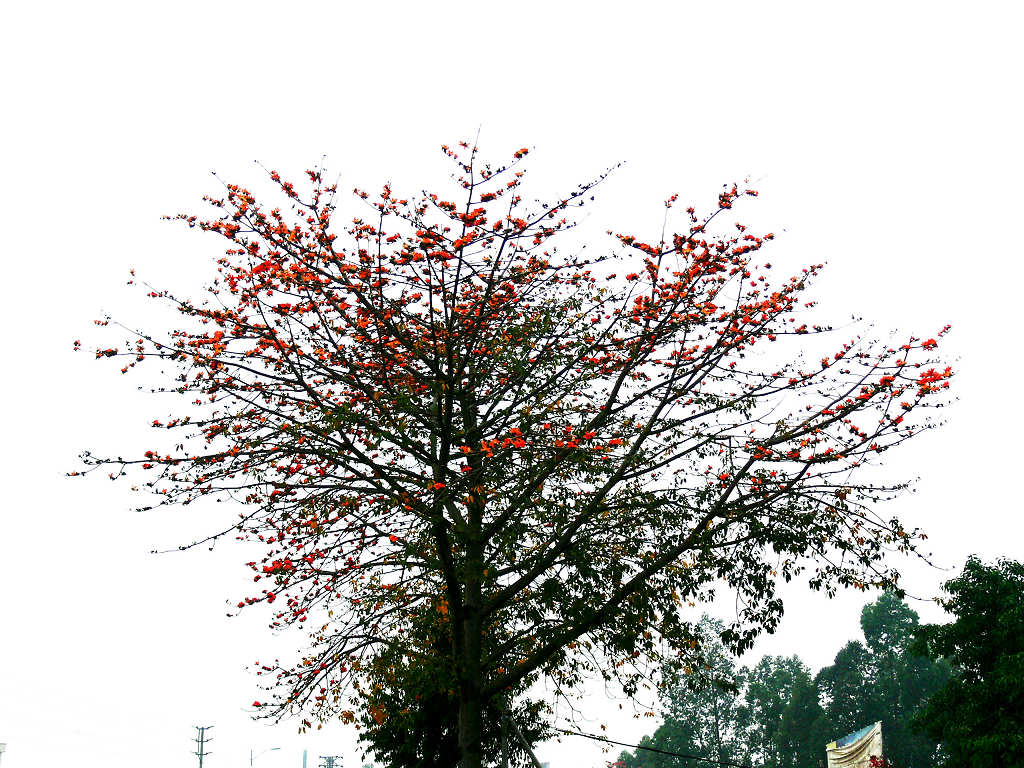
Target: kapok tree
(435, 416)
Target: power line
(653, 749)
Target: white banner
(857, 749)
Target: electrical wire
(653, 749)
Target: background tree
(846, 688)
(703, 701)
(884, 679)
(777, 717)
(645, 758)
(902, 679)
(978, 716)
(444, 409)
(768, 690)
(803, 727)
(701, 708)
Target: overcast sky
(885, 138)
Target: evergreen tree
(778, 715)
(901, 679)
(979, 714)
(882, 679)
(701, 708)
(769, 688)
(846, 689)
(702, 705)
(803, 728)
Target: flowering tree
(435, 417)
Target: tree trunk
(470, 753)
(471, 701)
(470, 698)
(470, 672)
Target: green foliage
(422, 732)
(702, 708)
(803, 727)
(901, 679)
(979, 714)
(411, 713)
(888, 624)
(883, 679)
(769, 689)
(846, 688)
(778, 715)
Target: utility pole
(327, 761)
(201, 742)
(522, 740)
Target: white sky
(885, 138)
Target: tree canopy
(701, 708)
(436, 412)
(780, 716)
(979, 715)
(884, 678)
